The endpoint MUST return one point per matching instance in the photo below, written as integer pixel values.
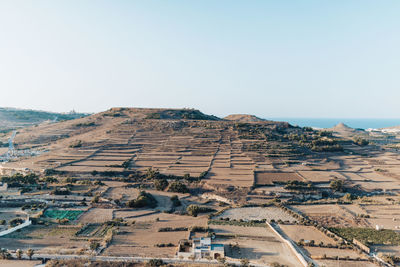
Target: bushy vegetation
(34, 116)
(19, 179)
(298, 185)
(85, 124)
(144, 200)
(292, 140)
(89, 263)
(75, 144)
(178, 187)
(155, 263)
(175, 201)
(238, 223)
(187, 114)
(369, 236)
(337, 185)
(16, 221)
(161, 184)
(391, 259)
(360, 141)
(194, 210)
(171, 229)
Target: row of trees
(5, 254)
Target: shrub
(194, 210)
(178, 187)
(75, 144)
(360, 141)
(337, 185)
(161, 184)
(143, 200)
(154, 262)
(16, 221)
(175, 201)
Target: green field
(71, 215)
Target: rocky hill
(173, 141)
(243, 118)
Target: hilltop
(342, 127)
(11, 118)
(243, 118)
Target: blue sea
(330, 122)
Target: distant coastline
(330, 122)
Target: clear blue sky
(269, 58)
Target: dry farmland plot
(173, 220)
(258, 244)
(141, 239)
(335, 263)
(387, 216)
(267, 178)
(257, 213)
(392, 250)
(333, 215)
(320, 176)
(96, 215)
(122, 193)
(43, 239)
(297, 232)
(19, 263)
(333, 252)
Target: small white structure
(199, 248)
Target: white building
(198, 248)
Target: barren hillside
(174, 141)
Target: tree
(178, 187)
(96, 199)
(221, 260)
(175, 201)
(244, 262)
(193, 210)
(337, 185)
(161, 184)
(360, 141)
(16, 221)
(94, 245)
(19, 253)
(30, 252)
(155, 262)
(4, 254)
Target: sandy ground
(44, 239)
(96, 215)
(333, 252)
(257, 213)
(258, 244)
(333, 263)
(297, 232)
(16, 263)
